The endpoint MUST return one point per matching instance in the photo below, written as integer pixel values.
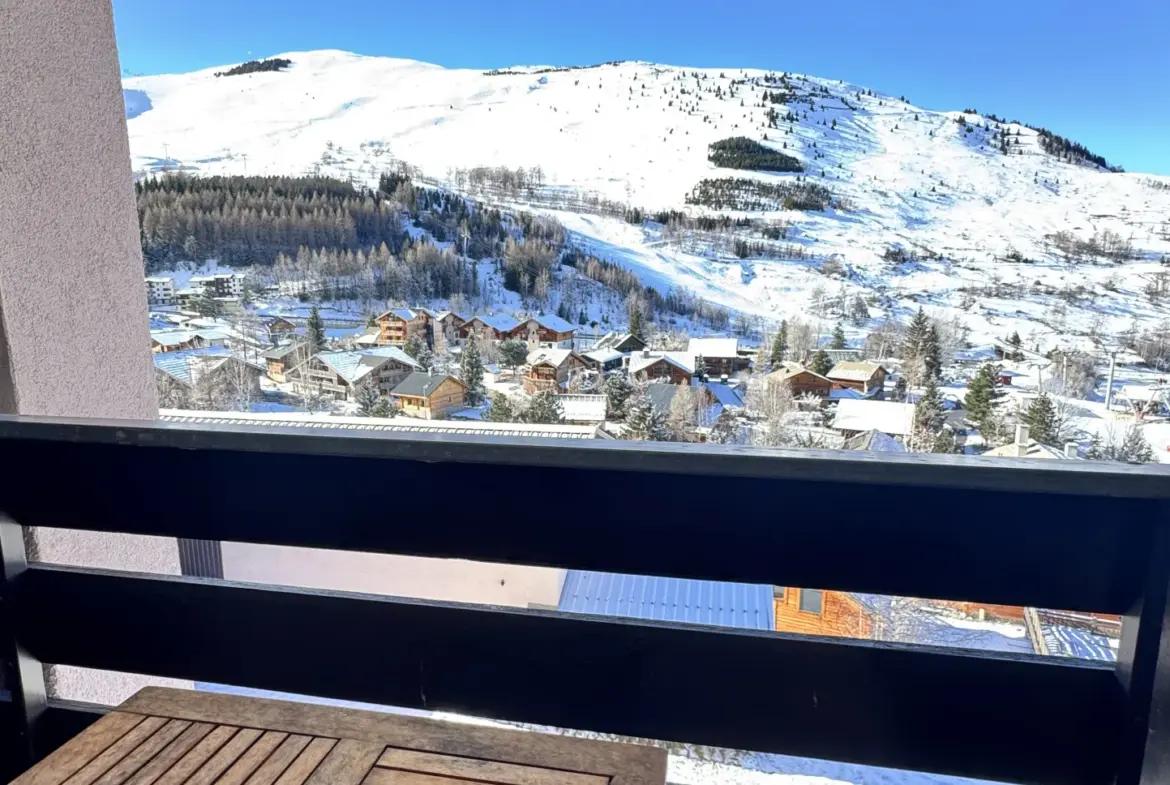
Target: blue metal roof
(743, 605)
(178, 364)
(1086, 644)
(555, 323)
(500, 322)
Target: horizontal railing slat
(946, 531)
(1018, 719)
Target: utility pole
(166, 157)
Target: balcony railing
(1073, 536)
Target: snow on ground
(1006, 629)
(637, 133)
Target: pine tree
(501, 409)
(618, 391)
(514, 353)
(1040, 417)
(701, 370)
(367, 399)
(820, 363)
(780, 344)
(637, 328)
(544, 407)
(414, 346)
(930, 354)
(981, 395)
(471, 372)
(928, 420)
(1014, 340)
(316, 331)
(838, 337)
(385, 409)
(643, 422)
(206, 304)
(915, 335)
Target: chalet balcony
(1079, 537)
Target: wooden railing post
(21, 676)
(1143, 665)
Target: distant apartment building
(219, 284)
(160, 290)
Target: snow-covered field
(637, 133)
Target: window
(778, 592)
(811, 601)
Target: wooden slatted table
(179, 737)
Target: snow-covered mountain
(976, 225)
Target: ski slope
(637, 133)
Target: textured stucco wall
(71, 293)
(453, 580)
(73, 331)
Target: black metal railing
(1069, 535)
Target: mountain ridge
(925, 208)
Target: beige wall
(69, 255)
(455, 580)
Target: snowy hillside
(925, 210)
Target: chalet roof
(500, 322)
(895, 419)
(789, 370)
(661, 395)
(444, 314)
(725, 394)
(429, 312)
(159, 278)
(554, 357)
(180, 365)
(405, 314)
(171, 337)
(584, 408)
(639, 361)
(555, 323)
(304, 420)
(421, 384)
(603, 355)
(742, 605)
(719, 348)
(854, 372)
(616, 340)
(873, 441)
(1033, 449)
(353, 366)
(280, 352)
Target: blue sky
(1093, 71)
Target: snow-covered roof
(714, 347)
(1142, 392)
(603, 355)
(848, 371)
(353, 366)
(788, 370)
(555, 323)
(895, 419)
(171, 337)
(873, 441)
(500, 322)
(180, 365)
(584, 408)
(1007, 373)
(1078, 642)
(639, 361)
(725, 394)
(405, 314)
(1033, 449)
(280, 352)
(554, 357)
(376, 425)
(160, 279)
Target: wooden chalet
(280, 361)
(278, 326)
(550, 369)
(338, 374)
(446, 329)
(720, 355)
(621, 342)
(801, 381)
(660, 366)
(818, 612)
(865, 377)
(399, 325)
(550, 332)
(429, 396)
(491, 328)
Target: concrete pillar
(74, 339)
